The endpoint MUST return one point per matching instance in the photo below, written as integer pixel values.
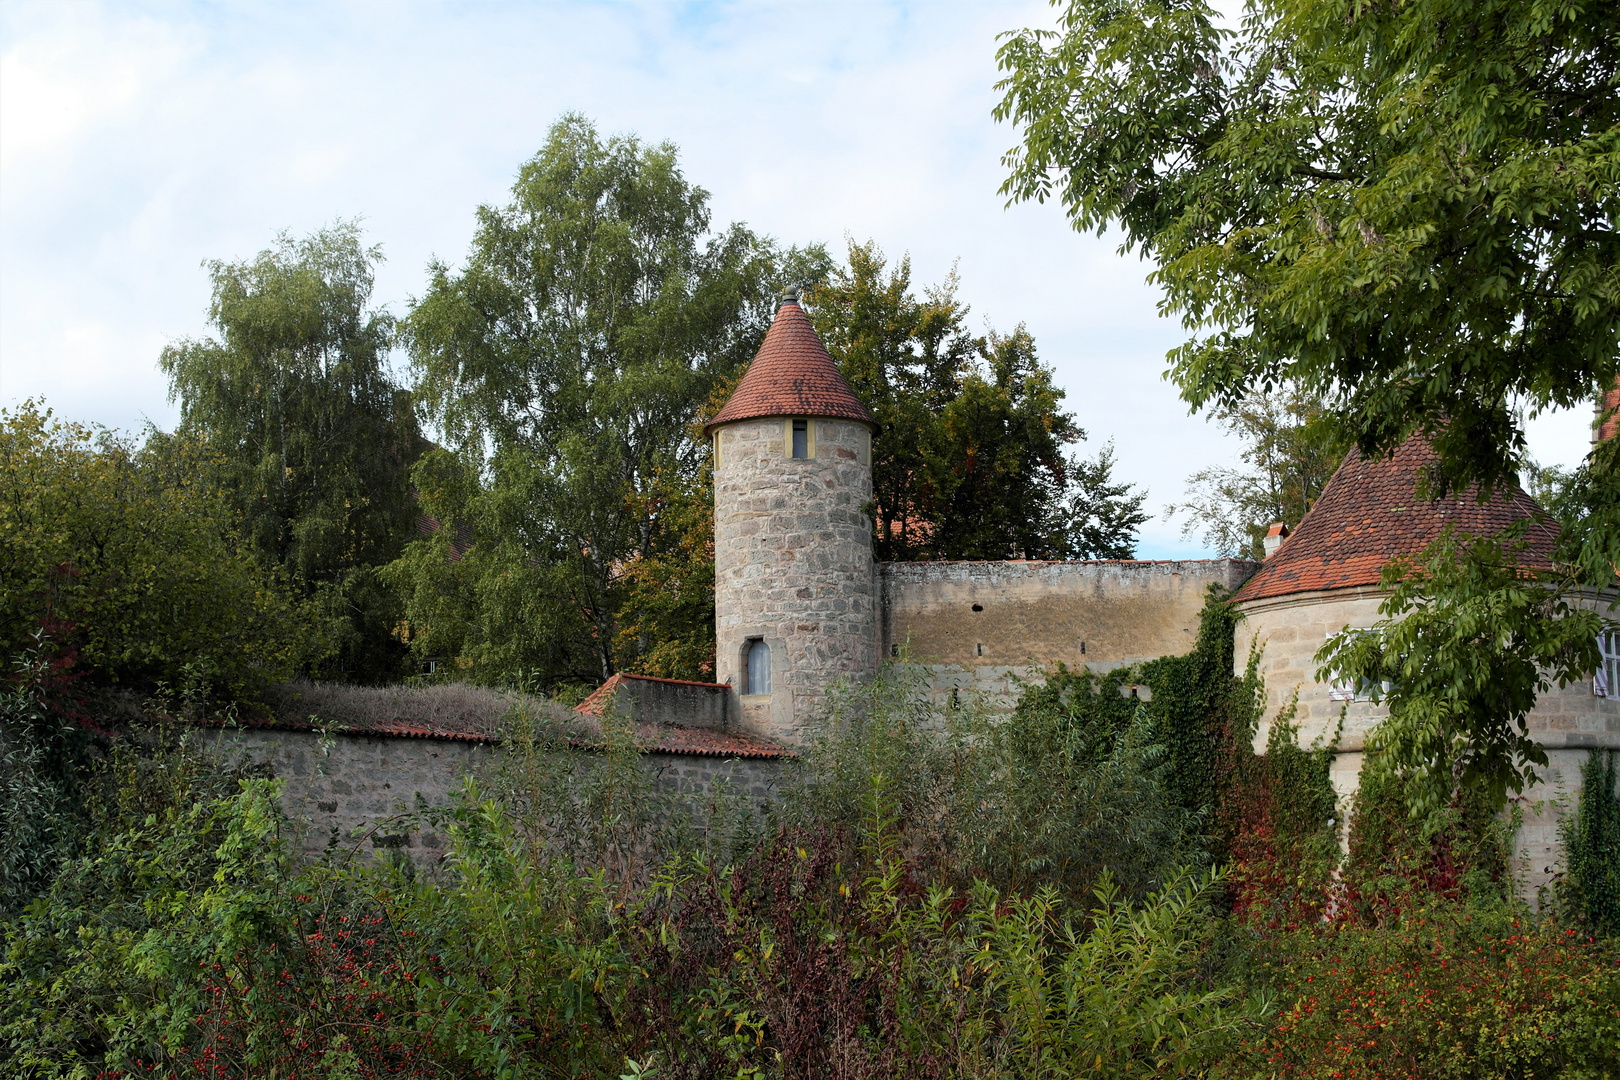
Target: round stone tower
(795, 600)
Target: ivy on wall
(1591, 836)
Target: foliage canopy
(565, 363)
(970, 460)
(1408, 210)
(129, 563)
(311, 439)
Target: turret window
(757, 671)
(1606, 680)
(801, 438)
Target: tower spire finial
(790, 295)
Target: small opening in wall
(894, 650)
(1082, 648)
(801, 438)
(981, 648)
(757, 674)
(978, 607)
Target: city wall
(352, 787)
(987, 627)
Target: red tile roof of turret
(1370, 512)
(792, 375)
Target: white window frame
(1341, 690)
(1606, 679)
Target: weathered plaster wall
(1289, 631)
(1538, 852)
(1005, 616)
(1566, 721)
(793, 566)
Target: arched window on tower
(757, 678)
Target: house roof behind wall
(792, 375)
(1370, 512)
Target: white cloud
(65, 79)
(144, 139)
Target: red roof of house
(792, 375)
(1370, 512)
(705, 742)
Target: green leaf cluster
(970, 459)
(1408, 210)
(133, 565)
(311, 439)
(1591, 839)
(1468, 641)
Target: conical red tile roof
(792, 375)
(1370, 512)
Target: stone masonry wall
(757, 781)
(667, 701)
(793, 566)
(350, 785)
(1566, 722)
(352, 782)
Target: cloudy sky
(139, 139)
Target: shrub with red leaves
(1439, 994)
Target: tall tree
(905, 357)
(565, 364)
(1290, 451)
(314, 438)
(1103, 513)
(997, 468)
(1408, 210)
(971, 457)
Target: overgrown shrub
(1459, 852)
(1073, 783)
(581, 791)
(1281, 825)
(43, 755)
(107, 968)
(1445, 991)
(132, 565)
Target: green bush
(43, 755)
(131, 564)
(1073, 784)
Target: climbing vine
(1591, 837)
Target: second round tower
(795, 597)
